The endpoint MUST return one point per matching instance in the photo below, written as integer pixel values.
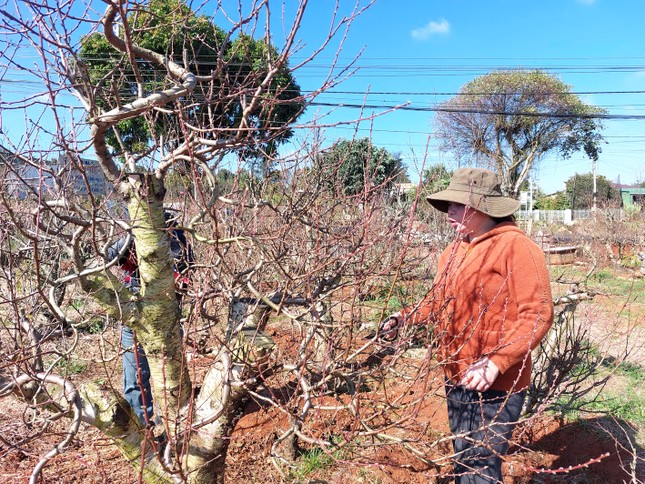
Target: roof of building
(620, 186)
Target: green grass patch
(619, 290)
(392, 298)
(602, 276)
(629, 403)
(623, 397)
(71, 367)
(605, 281)
(78, 304)
(635, 373)
(621, 406)
(313, 460)
(94, 326)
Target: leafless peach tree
(162, 126)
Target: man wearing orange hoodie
(490, 305)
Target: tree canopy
(436, 177)
(229, 71)
(509, 120)
(354, 165)
(579, 190)
(556, 201)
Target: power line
(477, 111)
(618, 138)
(496, 58)
(403, 93)
(430, 93)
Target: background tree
(557, 201)
(436, 178)
(508, 120)
(355, 166)
(579, 190)
(232, 69)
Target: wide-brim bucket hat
(477, 188)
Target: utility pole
(530, 207)
(594, 195)
(573, 195)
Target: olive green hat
(478, 189)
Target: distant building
(401, 189)
(21, 177)
(406, 187)
(526, 200)
(94, 178)
(631, 194)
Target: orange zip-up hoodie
(491, 297)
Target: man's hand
(480, 376)
(388, 330)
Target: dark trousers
(482, 423)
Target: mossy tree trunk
(158, 326)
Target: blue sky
(425, 47)
(420, 51)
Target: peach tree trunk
(158, 325)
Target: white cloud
(432, 28)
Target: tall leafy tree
(579, 190)
(229, 72)
(436, 177)
(509, 120)
(354, 165)
(556, 201)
